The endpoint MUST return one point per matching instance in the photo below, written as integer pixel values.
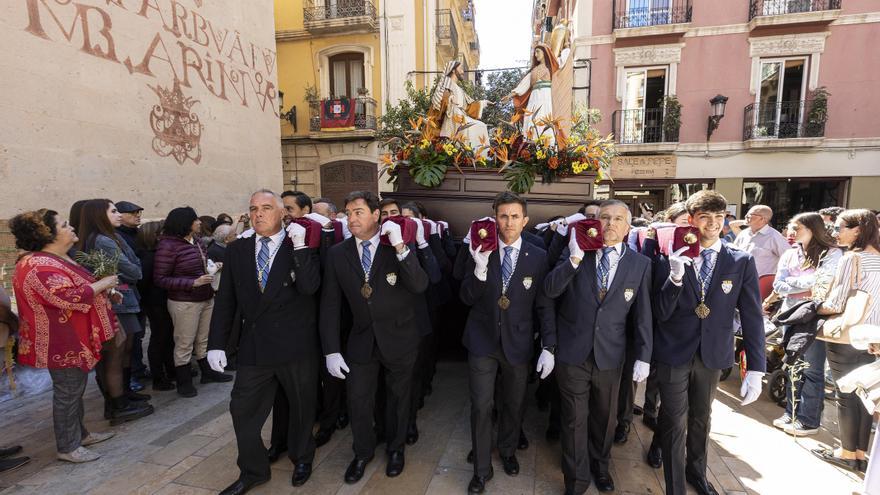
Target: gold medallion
(702, 311)
(690, 238)
(602, 293)
(503, 302)
(592, 232)
(366, 290)
(483, 233)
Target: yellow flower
(541, 154)
(449, 148)
(467, 147)
(425, 143)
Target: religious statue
(451, 109)
(533, 96)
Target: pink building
(782, 141)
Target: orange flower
(525, 155)
(553, 162)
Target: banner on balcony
(337, 115)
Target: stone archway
(341, 177)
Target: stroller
(774, 350)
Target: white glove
(559, 227)
(324, 221)
(541, 227)
(297, 234)
(217, 360)
(345, 232)
(213, 267)
(640, 371)
(481, 260)
(244, 235)
(546, 362)
(392, 230)
(574, 250)
(466, 240)
(444, 225)
(573, 218)
(677, 262)
(335, 365)
(751, 387)
(420, 235)
(434, 229)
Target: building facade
(349, 58)
(799, 129)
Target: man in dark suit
(504, 290)
(271, 278)
(383, 286)
(694, 303)
(598, 293)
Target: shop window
(788, 197)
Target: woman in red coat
(64, 318)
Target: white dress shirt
(766, 245)
(514, 254)
(613, 261)
(698, 261)
(374, 245)
(275, 241)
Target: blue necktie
(366, 257)
(604, 269)
(707, 267)
(507, 265)
(263, 263)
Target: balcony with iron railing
(783, 124)
(339, 16)
(783, 12)
(633, 18)
(447, 34)
(644, 130)
(364, 120)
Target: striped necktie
(366, 257)
(604, 269)
(507, 265)
(263, 263)
(707, 267)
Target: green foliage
(311, 93)
(520, 177)
(99, 263)
(428, 169)
(671, 118)
(818, 113)
(498, 84)
(394, 121)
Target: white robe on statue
(540, 105)
(456, 104)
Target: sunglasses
(838, 227)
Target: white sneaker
(97, 437)
(799, 430)
(782, 422)
(79, 456)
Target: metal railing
(338, 9)
(364, 114)
(640, 126)
(446, 31)
(781, 7)
(643, 13)
(785, 119)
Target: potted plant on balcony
(671, 118)
(818, 113)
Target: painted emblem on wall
(177, 129)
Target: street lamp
(718, 103)
(288, 116)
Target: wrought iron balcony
(758, 8)
(364, 119)
(643, 126)
(447, 34)
(783, 120)
(646, 13)
(331, 16)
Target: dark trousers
(281, 418)
(513, 381)
(361, 386)
(589, 401)
(685, 420)
(854, 419)
(421, 374)
(332, 400)
(810, 389)
(253, 395)
(627, 393)
(160, 351)
(68, 386)
(137, 349)
(652, 394)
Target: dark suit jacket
(488, 326)
(278, 325)
(680, 333)
(584, 324)
(388, 319)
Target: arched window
(346, 74)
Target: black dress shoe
(275, 452)
(470, 457)
(655, 456)
(355, 470)
(322, 437)
(604, 483)
(301, 473)
(511, 465)
(240, 486)
(523, 441)
(478, 483)
(342, 421)
(650, 422)
(621, 433)
(8, 451)
(552, 433)
(701, 485)
(412, 434)
(395, 464)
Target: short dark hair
(706, 200)
(207, 225)
(330, 204)
(506, 198)
(148, 235)
(302, 199)
(367, 196)
(413, 207)
(590, 202)
(388, 201)
(179, 221)
(640, 222)
(33, 230)
(831, 212)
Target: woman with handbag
(799, 276)
(854, 298)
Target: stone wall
(303, 159)
(159, 102)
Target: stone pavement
(188, 447)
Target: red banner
(337, 115)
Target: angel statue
(452, 109)
(533, 96)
